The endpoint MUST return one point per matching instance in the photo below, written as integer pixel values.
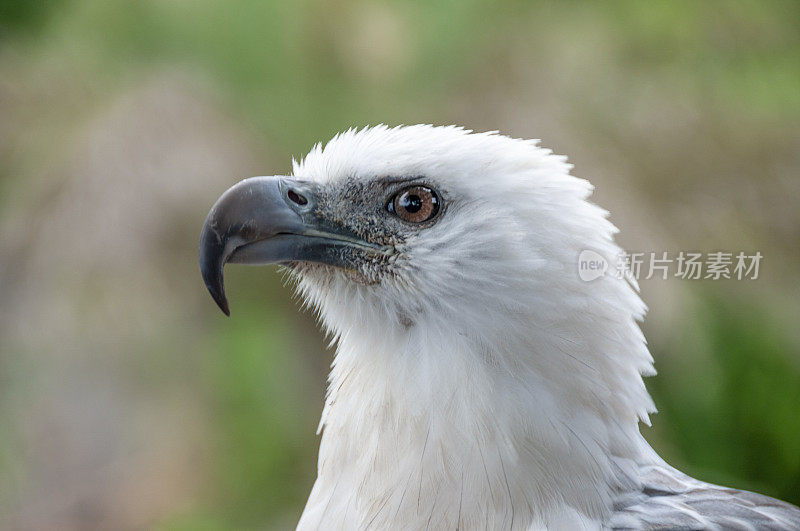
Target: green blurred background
(127, 400)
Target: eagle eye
(415, 204)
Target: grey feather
(669, 499)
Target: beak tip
(219, 297)
(217, 291)
(212, 260)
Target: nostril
(297, 198)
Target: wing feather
(672, 500)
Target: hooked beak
(265, 220)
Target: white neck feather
(429, 426)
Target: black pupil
(411, 203)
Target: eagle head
(417, 224)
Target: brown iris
(415, 204)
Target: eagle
(478, 381)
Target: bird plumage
(515, 374)
(672, 500)
(478, 382)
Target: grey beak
(266, 220)
(252, 210)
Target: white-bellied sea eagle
(478, 382)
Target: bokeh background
(127, 400)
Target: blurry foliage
(249, 390)
(262, 460)
(17, 16)
(293, 69)
(296, 72)
(731, 403)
